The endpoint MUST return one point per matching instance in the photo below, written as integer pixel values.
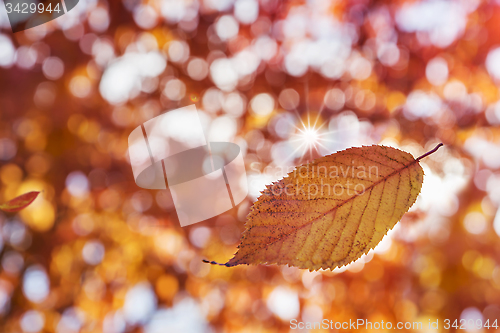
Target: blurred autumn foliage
(288, 81)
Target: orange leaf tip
(19, 202)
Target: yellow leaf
(330, 212)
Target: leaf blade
(19, 202)
(302, 229)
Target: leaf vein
(369, 159)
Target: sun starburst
(310, 138)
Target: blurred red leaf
(19, 202)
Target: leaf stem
(429, 152)
(214, 263)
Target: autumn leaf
(19, 202)
(330, 212)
